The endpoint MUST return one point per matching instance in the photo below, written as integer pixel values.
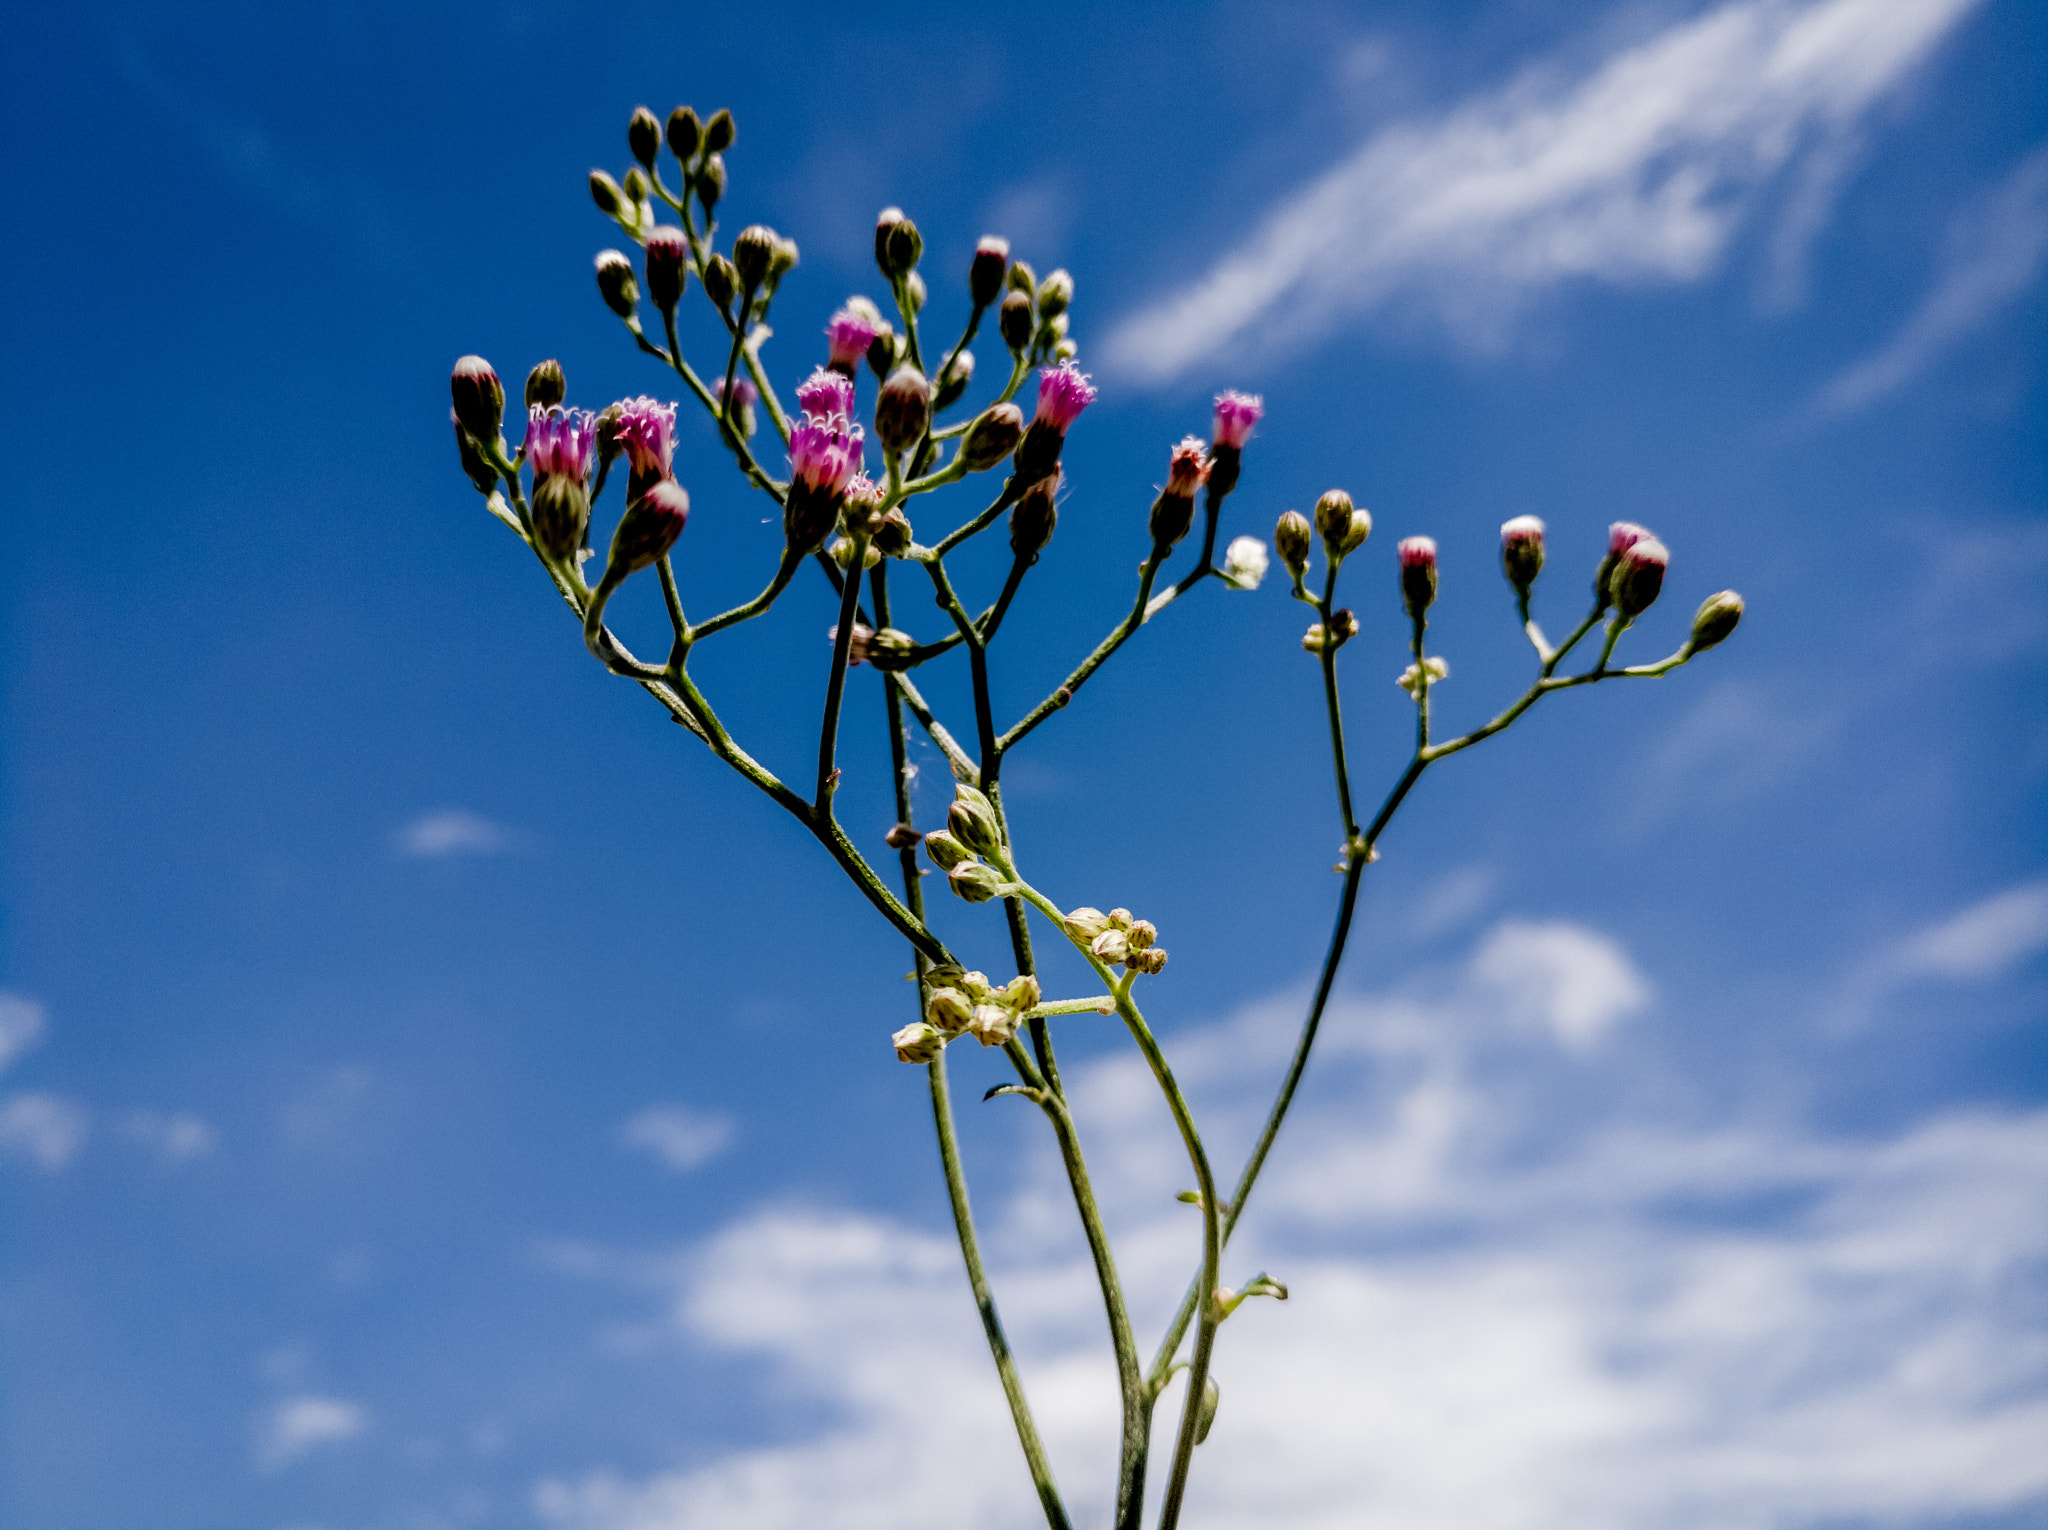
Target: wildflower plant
(850, 518)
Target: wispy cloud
(301, 1424)
(1995, 254)
(175, 1136)
(452, 831)
(1640, 170)
(22, 1023)
(677, 1137)
(1644, 1326)
(45, 1128)
(1982, 942)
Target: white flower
(1437, 670)
(1244, 563)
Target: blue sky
(436, 1093)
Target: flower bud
(668, 261)
(1014, 320)
(784, 259)
(1151, 961)
(897, 243)
(953, 381)
(711, 181)
(842, 554)
(902, 837)
(609, 196)
(1055, 295)
(891, 649)
(972, 818)
(1342, 629)
(1291, 542)
(985, 273)
(1119, 919)
(1354, 538)
(719, 132)
(893, 537)
(1638, 577)
(1418, 574)
(1715, 619)
(616, 281)
(993, 1024)
(1142, 933)
(1022, 278)
(636, 188)
(992, 437)
(753, 251)
(1111, 946)
(1020, 993)
(1621, 536)
(1037, 513)
(649, 528)
(914, 293)
(975, 986)
(1084, 924)
(721, 282)
(882, 352)
(479, 398)
(1333, 519)
(974, 881)
(684, 133)
(1066, 350)
(949, 1010)
(561, 515)
(481, 473)
(918, 1043)
(546, 386)
(946, 851)
(1521, 551)
(643, 136)
(903, 410)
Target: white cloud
(1644, 1326)
(452, 831)
(1639, 171)
(677, 1137)
(1576, 982)
(22, 1023)
(44, 1127)
(300, 1424)
(1982, 941)
(174, 1136)
(1995, 255)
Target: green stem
(835, 686)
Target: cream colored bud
(1021, 992)
(1110, 946)
(1119, 919)
(1333, 516)
(1142, 934)
(993, 1024)
(976, 986)
(1354, 536)
(972, 818)
(1084, 924)
(974, 882)
(949, 1009)
(946, 851)
(1150, 961)
(917, 1043)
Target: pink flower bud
(1521, 550)
(647, 433)
(559, 442)
(1418, 574)
(991, 264)
(1638, 577)
(668, 261)
(479, 398)
(1188, 468)
(649, 528)
(1621, 536)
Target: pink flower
(744, 394)
(1236, 414)
(647, 431)
(824, 455)
(1417, 552)
(826, 395)
(848, 337)
(1063, 392)
(863, 494)
(1623, 535)
(1188, 468)
(559, 442)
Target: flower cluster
(972, 831)
(647, 433)
(960, 1003)
(1116, 939)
